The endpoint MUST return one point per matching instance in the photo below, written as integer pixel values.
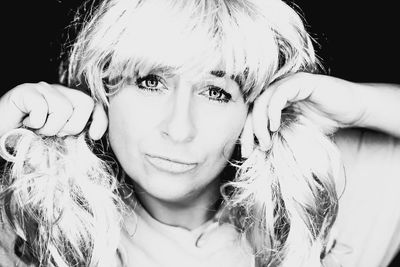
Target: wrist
(364, 97)
(380, 104)
(353, 102)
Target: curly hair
(284, 200)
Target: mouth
(170, 165)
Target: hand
(51, 110)
(328, 101)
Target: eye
(150, 82)
(215, 93)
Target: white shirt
(368, 223)
(153, 244)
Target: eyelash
(210, 88)
(221, 92)
(151, 77)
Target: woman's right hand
(51, 110)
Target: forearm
(381, 107)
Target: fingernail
(94, 136)
(274, 125)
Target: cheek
(131, 121)
(121, 122)
(220, 130)
(132, 113)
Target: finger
(275, 108)
(292, 89)
(37, 117)
(247, 137)
(82, 109)
(60, 109)
(32, 103)
(99, 122)
(260, 119)
(262, 133)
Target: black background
(358, 39)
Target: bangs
(195, 36)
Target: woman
(182, 82)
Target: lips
(170, 165)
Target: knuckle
(64, 109)
(43, 83)
(20, 90)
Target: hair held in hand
(60, 199)
(63, 201)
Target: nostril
(180, 128)
(180, 131)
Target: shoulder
(369, 156)
(368, 222)
(371, 160)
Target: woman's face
(173, 134)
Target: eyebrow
(165, 70)
(221, 74)
(218, 73)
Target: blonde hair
(60, 199)
(284, 200)
(257, 42)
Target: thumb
(99, 122)
(247, 137)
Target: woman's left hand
(334, 99)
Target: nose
(178, 125)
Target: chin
(168, 188)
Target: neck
(188, 213)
